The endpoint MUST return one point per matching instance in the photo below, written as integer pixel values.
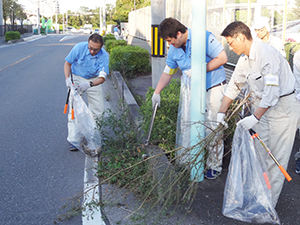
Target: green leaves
(164, 128)
(129, 60)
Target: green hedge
(108, 37)
(164, 128)
(110, 44)
(12, 35)
(129, 60)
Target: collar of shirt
(252, 50)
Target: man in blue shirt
(179, 38)
(88, 62)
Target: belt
(224, 82)
(287, 94)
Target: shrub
(110, 43)
(108, 37)
(12, 35)
(290, 49)
(164, 128)
(129, 60)
(43, 30)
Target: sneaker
(212, 174)
(72, 147)
(297, 166)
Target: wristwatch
(91, 84)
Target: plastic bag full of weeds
(82, 129)
(247, 194)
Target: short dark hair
(235, 28)
(97, 38)
(169, 28)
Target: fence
(21, 28)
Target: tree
(296, 10)
(123, 7)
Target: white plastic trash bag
(247, 194)
(84, 135)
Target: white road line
(90, 180)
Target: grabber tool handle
(67, 102)
(255, 135)
(151, 123)
(287, 176)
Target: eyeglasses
(231, 42)
(94, 49)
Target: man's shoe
(297, 166)
(72, 147)
(212, 174)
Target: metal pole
(284, 22)
(38, 17)
(198, 86)
(1, 20)
(158, 14)
(100, 20)
(104, 17)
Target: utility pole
(63, 23)
(158, 14)
(1, 20)
(100, 18)
(38, 17)
(104, 17)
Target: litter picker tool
(151, 123)
(67, 101)
(255, 135)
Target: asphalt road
(37, 170)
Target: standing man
(296, 62)
(275, 110)
(262, 28)
(179, 56)
(88, 62)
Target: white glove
(83, 87)
(69, 82)
(248, 122)
(220, 119)
(155, 99)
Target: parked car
(87, 31)
(72, 29)
(97, 31)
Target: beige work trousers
(95, 102)
(214, 97)
(277, 128)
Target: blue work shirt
(84, 64)
(178, 58)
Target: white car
(87, 31)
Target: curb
(161, 163)
(125, 94)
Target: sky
(72, 5)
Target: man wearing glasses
(88, 62)
(275, 110)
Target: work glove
(220, 119)
(69, 82)
(155, 99)
(248, 122)
(83, 87)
